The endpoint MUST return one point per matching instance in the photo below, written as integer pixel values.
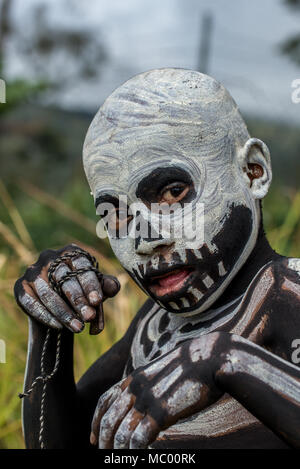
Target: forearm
(59, 404)
(61, 291)
(268, 386)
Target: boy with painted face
(207, 361)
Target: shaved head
(194, 106)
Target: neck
(260, 256)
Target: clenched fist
(81, 295)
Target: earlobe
(255, 163)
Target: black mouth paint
(230, 243)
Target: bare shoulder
(287, 276)
(271, 304)
(285, 307)
(294, 265)
(282, 274)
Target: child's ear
(255, 164)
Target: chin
(185, 289)
(188, 301)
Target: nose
(150, 241)
(147, 246)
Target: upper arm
(271, 307)
(286, 307)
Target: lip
(169, 282)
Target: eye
(174, 192)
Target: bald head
(165, 109)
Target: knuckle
(21, 287)
(67, 248)
(95, 422)
(120, 438)
(71, 247)
(78, 300)
(34, 270)
(61, 270)
(104, 396)
(45, 257)
(102, 403)
(111, 285)
(136, 440)
(82, 261)
(105, 421)
(67, 318)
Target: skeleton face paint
(176, 136)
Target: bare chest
(160, 331)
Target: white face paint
(169, 126)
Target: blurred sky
(143, 34)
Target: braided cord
(45, 378)
(65, 257)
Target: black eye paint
(106, 198)
(151, 186)
(116, 218)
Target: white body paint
(254, 366)
(165, 383)
(187, 394)
(198, 352)
(294, 264)
(174, 326)
(225, 416)
(171, 117)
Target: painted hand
(81, 295)
(179, 384)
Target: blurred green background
(44, 197)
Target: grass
(32, 220)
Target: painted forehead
(173, 116)
(152, 164)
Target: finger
(126, 428)
(112, 419)
(56, 305)
(73, 291)
(110, 285)
(30, 303)
(103, 404)
(88, 280)
(97, 324)
(144, 434)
